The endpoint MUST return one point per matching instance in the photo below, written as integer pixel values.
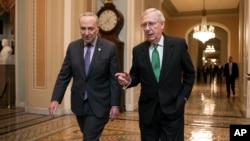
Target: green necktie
(156, 62)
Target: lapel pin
(99, 49)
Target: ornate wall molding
(39, 44)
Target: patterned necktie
(87, 58)
(156, 62)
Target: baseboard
(45, 111)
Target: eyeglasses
(148, 24)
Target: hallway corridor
(208, 116)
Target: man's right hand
(248, 76)
(52, 108)
(123, 78)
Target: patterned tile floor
(208, 116)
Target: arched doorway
(7, 67)
(198, 50)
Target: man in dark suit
(165, 85)
(231, 73)
(95, 93)
(205, 71)
(219, 73)
(212, 70)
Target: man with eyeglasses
(163, 67)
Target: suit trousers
(163, 129)
(230, 83)
(90, 125)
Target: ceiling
(180, 8)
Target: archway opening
(199, 54)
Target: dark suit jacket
(235, 71)
(176, 79)
(101, 83)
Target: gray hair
(91, 14)
(158, 13)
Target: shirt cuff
(126, 86)
(185, 99)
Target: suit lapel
(167, 53)
(81, 56)
(96, 53)
(146, 59)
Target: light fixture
(209, 49)
(203, 32)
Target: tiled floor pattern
(208, 116)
